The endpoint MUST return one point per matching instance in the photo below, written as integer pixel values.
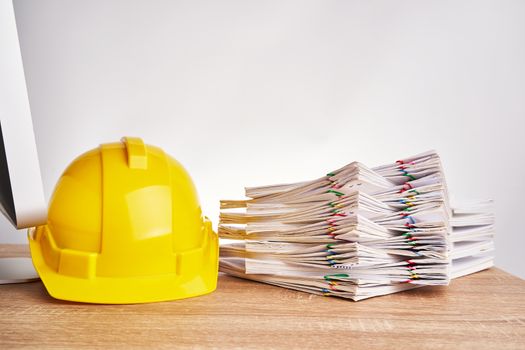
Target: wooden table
(481, 311)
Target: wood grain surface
(482, 311)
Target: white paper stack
(356, 232)
(472, 238)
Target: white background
(259, 92)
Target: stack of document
(472, 238)
(356, 232)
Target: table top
(481, 311)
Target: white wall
(258, 92)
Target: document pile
(357, 232)
(471, 239)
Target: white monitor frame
(27, 206)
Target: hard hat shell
(125, 226)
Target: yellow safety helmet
(125, 226)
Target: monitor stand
(15, 265)
(17, 270)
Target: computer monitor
(21, 191)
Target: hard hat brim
(130, 290)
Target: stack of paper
(472, 238)
(356, 232)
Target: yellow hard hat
(125, 226)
